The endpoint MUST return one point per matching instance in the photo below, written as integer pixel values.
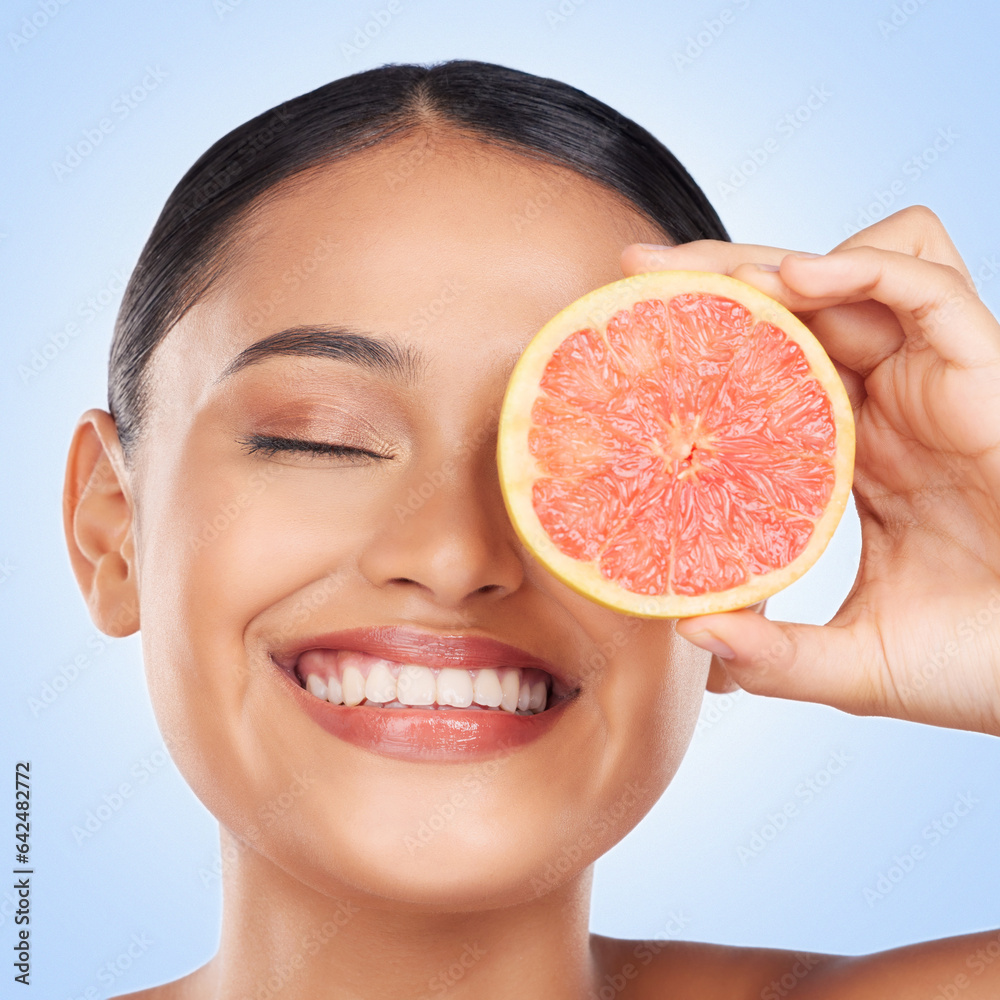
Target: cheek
(649, 696)
(644, 685)
(226, 542)
(220, 544)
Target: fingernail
(651, 246)
(711, 643)
(806, 256)
(767, 267)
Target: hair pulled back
(530, 115)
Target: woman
(320, 330)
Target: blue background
(715, 88)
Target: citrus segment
(675, 443)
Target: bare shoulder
(190, 987)
(966, 966)
(691, 969)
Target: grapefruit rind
(519, 469)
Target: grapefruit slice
(675, 443)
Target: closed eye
(269, 445)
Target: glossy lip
(424, 734)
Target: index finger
(717, 256)
(914, 230)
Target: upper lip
(405, 644)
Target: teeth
(486, 688)
(353, 683)
(524, 696)
(314, 685)
(381, 685)
(509, 687)
(415, 685)
(350, 678)
(538, 696)
(454, 687)
(334, 692)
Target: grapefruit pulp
(675, 443)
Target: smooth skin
(221, 555)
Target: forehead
(440, 243)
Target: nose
(448, 538)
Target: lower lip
(425, 734)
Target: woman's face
(392, 554)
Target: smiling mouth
(353, 678)
(413, 694)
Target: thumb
(820, 663)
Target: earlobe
(97, 519)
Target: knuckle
(954, 284)
(951, 274)
(920, 215)
(950, 292)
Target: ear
(98, 521)
(719, 681)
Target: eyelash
(269, 445)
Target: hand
(918, 637)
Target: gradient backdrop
(802, 121)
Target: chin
(476, 867)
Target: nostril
(488, 588)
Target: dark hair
(529, 115)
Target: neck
(281, 938)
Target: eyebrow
(336, 343)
